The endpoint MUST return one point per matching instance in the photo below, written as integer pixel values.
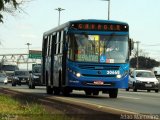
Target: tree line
(143, 62)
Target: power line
(156, 44)
(21, 48)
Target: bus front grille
(98, 67)
(92, 75)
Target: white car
(3, 78)
(143, 80)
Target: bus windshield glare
(98, 48)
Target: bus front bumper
(100, 83)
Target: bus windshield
(98, 48)
(9, 67)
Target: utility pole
(108, 8)
(28, 44)
(59, 17)
(137, 42)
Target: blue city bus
(90, 55)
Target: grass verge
(13, 109)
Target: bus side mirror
(65, 39)
(131, 45)
(65, 46)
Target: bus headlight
(118, 76)
(78, 74)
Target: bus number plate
(98, 82)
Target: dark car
(35, 76)
(20, 77)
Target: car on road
(3, 78)
(35, 76)
(143, 80)
(20, 77)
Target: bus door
(53, 52)
(44, 51)
(64, 57)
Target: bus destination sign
(100, 27)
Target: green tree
(144, 62)
(7, 6)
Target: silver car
(3, 78)
(143, 80)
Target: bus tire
(56, 90)
(13, 84)
(66, 91)
(49, 90)
(33, 86)
(127, 89)
(95, 92)
(88, 92)
(148, 90)
(156, 91)
(113, 93)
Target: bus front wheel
(49, 90)
(113, 93)
(88, 92)
(66, 91)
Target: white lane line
(96, 105)
(129, 97)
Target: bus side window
(61, 41)
(44, 46)
(57, 43)
(48, 46)
(53, 48)
(72, 47)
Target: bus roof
(83, 21)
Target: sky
(38, 16)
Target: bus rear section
(89, 55)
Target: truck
(9, 69)
(35, 76)
(156, 71)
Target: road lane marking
(82, 102)
(129, 97)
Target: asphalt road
(135, 102)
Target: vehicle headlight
(156, 82)
(78, 74)
(16, 78)
(138, 81)
(35, 77)
(118, 76)
(6, 80)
